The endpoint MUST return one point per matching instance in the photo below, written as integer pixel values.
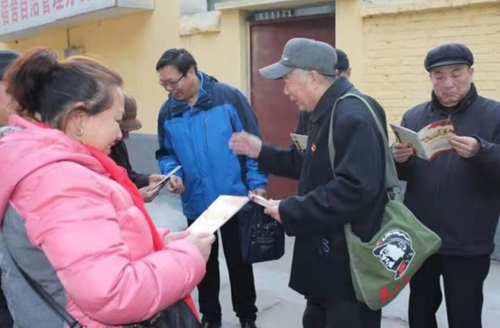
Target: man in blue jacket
(456, 194)
(195, 125)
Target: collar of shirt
(335, 91)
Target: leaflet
(218, 213)
(260, 200)
(430, 141)
(300, 141)
(164, 181)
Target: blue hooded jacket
(198, 139)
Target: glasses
(171, 84)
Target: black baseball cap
(448, 54)
(342, 61)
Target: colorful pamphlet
(218, 213)
(430, 141)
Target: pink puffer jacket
(97, 241)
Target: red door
(276, 113)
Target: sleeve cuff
(287, 226)
(484, 146)
(258, 186)
(265, 156)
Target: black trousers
(463, 279)
(339, 313)
(241, 278)
(5, 317)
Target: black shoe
(207, 324)
(248, 324)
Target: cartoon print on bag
(395, 252)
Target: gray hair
(328, 79)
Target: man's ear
(316, 77)
(348, 72)
(191, 72)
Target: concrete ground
(281, 307)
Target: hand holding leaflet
(164, 181)
(430, 141)
(218, 213)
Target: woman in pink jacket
(70, 217)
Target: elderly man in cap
(456, 194)
(7, 107)
(326, 202)
(343, 69)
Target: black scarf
(462, 104)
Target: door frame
(248, 45)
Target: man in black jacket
(456, 194)
(320, 268)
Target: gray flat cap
(306, 54)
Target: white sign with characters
(21, 18)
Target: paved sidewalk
(281, 307)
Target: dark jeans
(339, 313)
(240, 277)
(463, 279)
(5, 318)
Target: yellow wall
(386, 47)
(395, 45)
(349, 35)
(133, 44)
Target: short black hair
(179, 58)
(342, 61)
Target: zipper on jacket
(206, 131)
(438, 191)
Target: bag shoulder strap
(391, 176)
(49, 300)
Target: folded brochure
(260, 200)
(430, 141)
(163, 181)
(300, 141)
(218, 213)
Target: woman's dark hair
(178, 58)
(46, 87)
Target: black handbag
(262, 237)
(178, 315)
